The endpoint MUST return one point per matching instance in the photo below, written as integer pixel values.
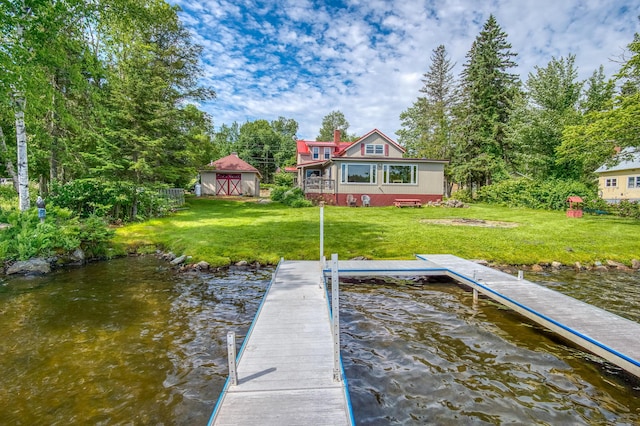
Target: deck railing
(319, 186)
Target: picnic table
(407, 202)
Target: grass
(222, 231)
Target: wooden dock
(603, 333)
(285, 368)
(598, 331)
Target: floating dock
(286, 369)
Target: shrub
(550, 194)
(283, 179)
(292, 197)
(278, 192)
(27, 237)
(110, 199)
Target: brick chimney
(336, 137)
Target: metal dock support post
(321, 231)
(231, 350)
(335, 310)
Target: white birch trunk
(23, 167)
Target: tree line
(107, 90)
(494, 127)
(102, 97)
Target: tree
(605, 125)
(599, 93)
(335, 120)
(287, 128)
(488, 93)
(427, 124)
(150, 129)
(535, 127)
(258, 144)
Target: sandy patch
(471, 222)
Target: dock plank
(285, 370)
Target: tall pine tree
(489, 89)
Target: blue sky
(302, 59)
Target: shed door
(228, 183)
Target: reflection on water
(129, 342)
(120, 342)
(423, 354)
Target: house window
(359, 173)
(327, 153)
(611, 183)
(316, 152)
(374, 149)
(633, 182)
(400, 173)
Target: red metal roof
(232, 163)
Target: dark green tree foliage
(535, 128)
(109, 86)
(151, 133)
(488, 92)
(335, 120)
(426, 125)
(598, 94)
(587, 145)
(287, 129)
(268, 146)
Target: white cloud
(366, 59)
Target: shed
(230, 175)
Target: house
(620, 181)
(230, 175)
(370, 171)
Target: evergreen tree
(488, 92)
(427, 124)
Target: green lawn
(221, 231)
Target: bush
(292, 197)
(550, 194)
(110, 200)
(283, 179)
(26, 237)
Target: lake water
(130, 342)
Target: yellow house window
(633, 182)
(611, 183)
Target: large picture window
(358, 173)
(400, 173)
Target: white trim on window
(395, 174)
(327, 153)
(374, 149)
(359, 173)
(611, 183)
(315, 152)
(633, 182)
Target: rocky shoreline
(182, 263)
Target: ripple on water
(424, 355)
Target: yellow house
(620, 181)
